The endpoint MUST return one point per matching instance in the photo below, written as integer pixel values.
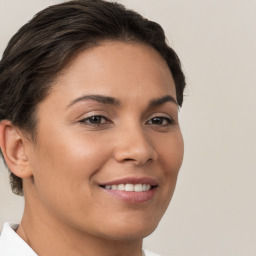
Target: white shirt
(11, 244)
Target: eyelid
(88, 117)
(168, 119)
(159, 114)
(92, 113)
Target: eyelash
(89, 120)
(169, 121)
(98, 121)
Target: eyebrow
(162, 100)
(113, 101)
(99, 98)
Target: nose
(134, 146)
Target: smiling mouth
(132, 190)
(129, 187)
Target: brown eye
(94, 120)
(162, 121)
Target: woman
(89, 97)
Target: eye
(160, 121)
(95, 120)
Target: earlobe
(13, 148)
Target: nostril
(138, 161)
(129, 159)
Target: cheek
(64, 168)
(66, 162)
(170, 153)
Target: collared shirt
(11, 244)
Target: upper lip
(132, 180)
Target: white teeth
(121, 187)
(138, 187)
(114, 187)
(129, 187)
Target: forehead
(116, 69)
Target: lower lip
(132, 197)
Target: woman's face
(108, 147)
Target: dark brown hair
(45, 45)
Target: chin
(132, 224)
(127, 231)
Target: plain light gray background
(213, 212)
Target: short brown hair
(45, 45)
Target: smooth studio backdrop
(213, 212)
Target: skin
(65, 208)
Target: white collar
(11, 244)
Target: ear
(13, 146)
